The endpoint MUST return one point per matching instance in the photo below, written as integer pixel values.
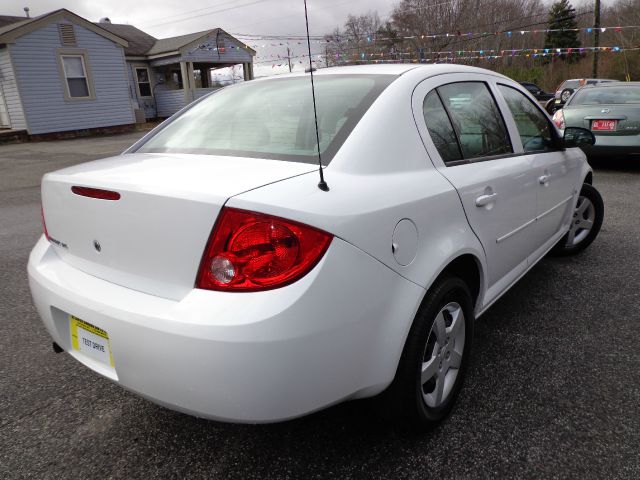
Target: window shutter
(67, 34)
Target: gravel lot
(554, 391)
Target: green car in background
(612, 112)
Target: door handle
(544, 179)
(483, 200)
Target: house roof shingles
(139, 42)
(8, 23)
(10, 29)
(9, 19)
(142, 44)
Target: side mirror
(578, 137)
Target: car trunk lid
(626, 117)
(152, 237)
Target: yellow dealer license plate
(90, 340)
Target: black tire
(565, 94)
(550, 106)
(404, 401)
(566, 247)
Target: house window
(75, 73)
(144, 84)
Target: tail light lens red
(98, 193)
(558, 119)
(249, 251)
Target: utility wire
(152, 20)
(206, 14)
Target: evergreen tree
(562, 17)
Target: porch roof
(141, 44)
(171, 44)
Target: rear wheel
(586, 221)
(434, 358)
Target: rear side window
(533, 126)
(273, 119)
(440, 128)
(476, 119)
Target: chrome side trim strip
(513, 232)
(533, 220)
(553, 208)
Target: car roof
(591, 79)
(613, 85)
(395, 69)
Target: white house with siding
(60, 72)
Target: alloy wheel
(582, 221)
(442, 357)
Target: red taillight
(558, 119)
(96, 193)
(250, 251)
(44, 224)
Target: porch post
(204, 76)
(184, 71)
(247, 69)
(192, 82)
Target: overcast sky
(165, 18)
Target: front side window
(75, 73)
(440, 128)
(476, 118)
(533, 127)
(273, 119)
(144, 85)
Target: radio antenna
(322, 185)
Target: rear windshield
(607, 95)
(273, 119)
(570, 84)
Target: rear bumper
(612, 147)
(246, 357)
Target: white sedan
(204, 268)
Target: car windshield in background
(607, 95)
(570, 84)
(273, 119)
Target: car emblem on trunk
(605, 110)
(97, 246)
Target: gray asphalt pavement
(554, 390)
